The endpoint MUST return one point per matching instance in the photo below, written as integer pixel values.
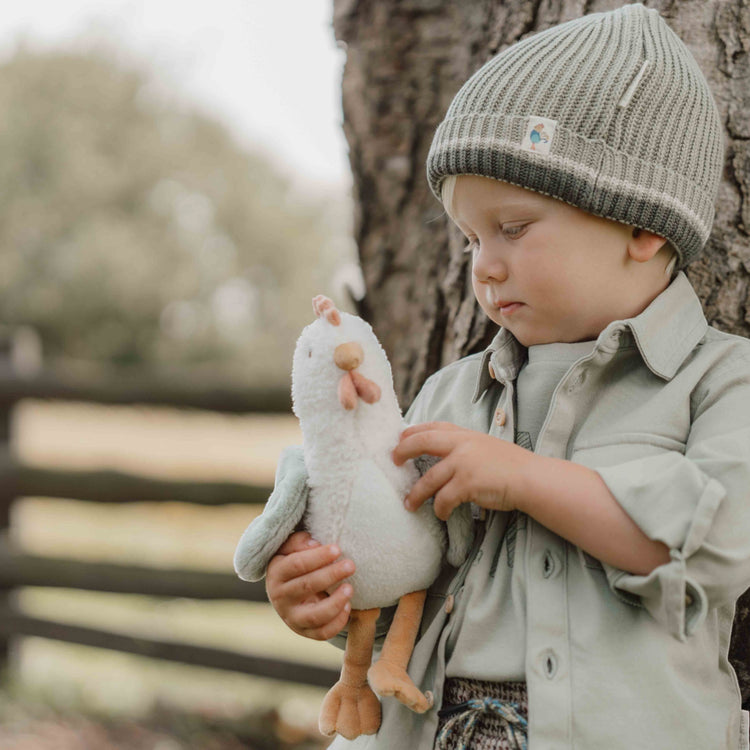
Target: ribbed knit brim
(609, 112)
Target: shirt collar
(665, 333)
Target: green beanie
(609, 112)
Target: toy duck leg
(350, 707)
(387, 676)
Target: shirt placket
(503, 419)
(548, 667)
(501, 425)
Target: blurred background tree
(137, 231)
(145, 222)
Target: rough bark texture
(405, 61)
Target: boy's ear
(643, 245)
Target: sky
(269, 69)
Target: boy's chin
(523, 339)
(529, 338)
(520, 329)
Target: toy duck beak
(348, 356)
(354, 385)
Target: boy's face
(566, 272)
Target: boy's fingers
(446, 501)
(430, 442)
(297, 542)
(424, 426)
(297, 564)
(332, 628)
(321, 613)
(425, 487)
(319, 580)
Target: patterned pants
(480, 715)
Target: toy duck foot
(349, 711)
(389, 679)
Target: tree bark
(405, 61)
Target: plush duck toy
(350, 492)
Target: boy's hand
(475, 467)
(297, 580)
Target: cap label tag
(538, 135)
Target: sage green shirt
(493, 599)
(536, 382)
(660, 408)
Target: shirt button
(549, 664)
(549, 565)
(492, 371)
(499, 417)
(449, 602)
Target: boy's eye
(511, 232)
(514, 231)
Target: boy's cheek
(487, 309)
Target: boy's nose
(486, 266)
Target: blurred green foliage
(137, 231)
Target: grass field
(162, 443)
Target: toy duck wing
(460, 534)
(283, 511)
(425, 462)
(460, 523)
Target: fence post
(20, 354)
(6, 500)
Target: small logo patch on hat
(538, 135)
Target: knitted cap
(609, 112)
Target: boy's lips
(506, 307)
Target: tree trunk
(405, 61)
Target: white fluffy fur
(356, 491)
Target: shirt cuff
(668, 593)
(674, 502)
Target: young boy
(603, 437)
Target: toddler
(603, 438)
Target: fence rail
(108, 486)
(19, 569)
(15, 623)
(180, 388)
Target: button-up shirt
(493, 598)
(660, 409)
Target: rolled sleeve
(698, 505)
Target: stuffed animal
(349, 492)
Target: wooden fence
(16, 480)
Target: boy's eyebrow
(510, 206)
(514, 205)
